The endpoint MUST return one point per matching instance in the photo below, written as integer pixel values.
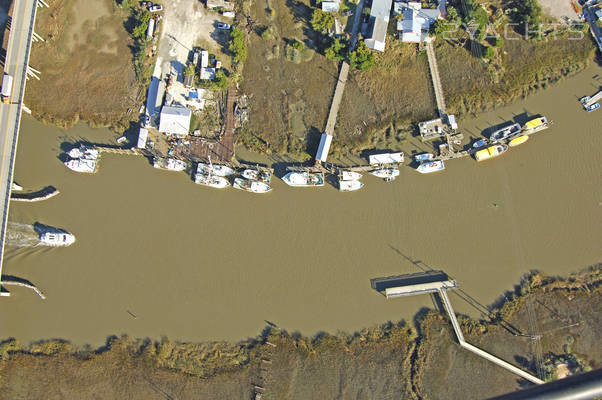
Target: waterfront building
(175, 120)
(377, 24)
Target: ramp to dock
(430, 52)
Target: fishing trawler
(350, 186)
(83, 151)
(387, 174)
(257, 175)
(169, 164)
(251, 185)
(431, 166)
(349, 176)
(214, 181)
(304, 179)
(82, 165)
(215, 169)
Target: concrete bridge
(22, 20)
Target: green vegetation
(322, 21)
(337, 50)
(237, 45)
(189, 70)
(142, 17)
(527, 12)
(298, 45)
(362, 58)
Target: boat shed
(175, 120)
(386, 158)
(142, 136)
(323, 147)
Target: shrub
(362, 58)
(237, 45)
(139, 31)
(299, 45)
(336, 50)
(322, 21)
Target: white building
(330, 6)
(416, 22)
(204, 58)
(377, 24)
(175, 120)
(323, 147)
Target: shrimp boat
(350, 186)
(215, 169)
(431, 166)
(304, 179)
(387, 174)
(535, 125)
(169, 164)
(505, 133)
(83, 151)
(490, 152)
(57, 239)
(424, 157)
(349, 176)
(251, 186)
(82, 165)
(257, 175)
(214, 181)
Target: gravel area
(561, 9)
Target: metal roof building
(377, 25)
(416, 20)
(323, 147)
(175, 120)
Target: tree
(489, 53)
(452, 14)
(499, 42)
(189, 70)
(300, 46)
(221, 80)
(336, 50)
(322, 21)
(139, 30)
(362, 58)
(237, 45)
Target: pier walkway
(430, 52)
(15, 64)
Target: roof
(175, 120)
(207, 73)
(330, 6)
(385, 158)
(142, 136)
(378, 23)
(416, 20)
(323, 147)
(228, 6)
(188, 80)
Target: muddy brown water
(200, 264)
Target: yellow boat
(535, 125)
(490, 152)
(518, 140)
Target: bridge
(18, 48)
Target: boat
(251, 185)
(480, 143)
(431, 166)
(214, 181)
(304, 179)
(15, 187)
(57, 239)
(535, 125)
(257, 175)
(518, 140)
(350, 186)
(83, 151)
(349, 176)
(424, 157)
(82, 165)
(490, 152)
(386, 173)
(169, 164)
(505, 133)
(215, 169)
(592, 107)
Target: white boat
(57, 239)
(505, 133)
(424, 157)
(214, 181)
(350, 186)
(16, 187)
(169, 164)
(430, 166)
(251, 185)
(82, 165)
(257, 175)
(349, 176)
(386, 173)
(480, 143)
(83, 151)
(304, 179)
(214, 169)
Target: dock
(434, 69)
(43, 194)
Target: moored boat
(304, 179)
(349, 175)
(251, 185)
(505, 133)
(535, 125)
(518, 140)
(169, 164)
(350, 186)
(214, 181)
(82, 165)
(431, 166)
(592, 107)
(386, 173)
(424, 157)
(257, 175)
(84, 151)
(214, 169)
(480, 143)
(57, 239)
(490, 152)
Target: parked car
(229, 14)
(221, 25)
(155, 8)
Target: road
(17, 58)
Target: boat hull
(303, 179)
(431, 166)
(424, 157)
(505, 133)
(257, 175)
(386, 173)
(350, 186)
(490, 152)
(82, 165)
(518, 141)
(251, 186)
(217, 182)
(215, 169)
(350, 176)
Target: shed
(142, 136)
(151, 29)
(323, 147)
(386, 158)
(175, 120)
(451, 120)
(204, 58)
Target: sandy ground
(561, 9)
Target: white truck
(7, 88)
